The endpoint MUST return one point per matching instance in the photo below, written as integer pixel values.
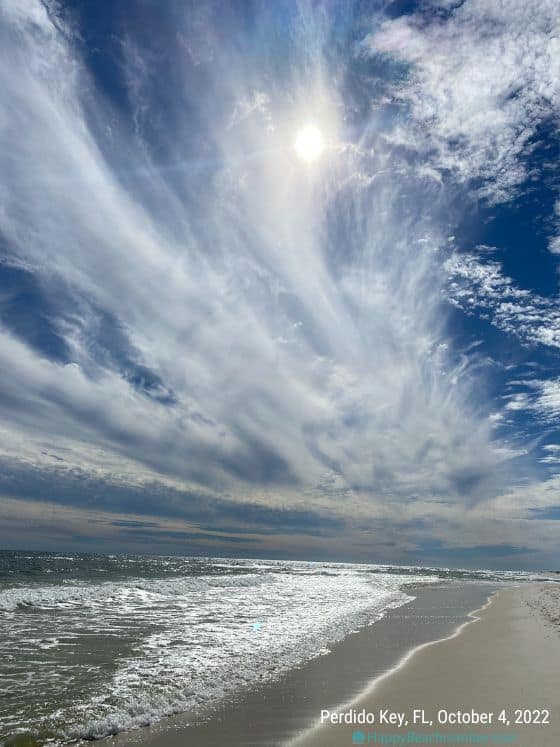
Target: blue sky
(209, 345)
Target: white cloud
(554, 242)
(542, 397)
(552, 454)
(481, 287)
(484, 78)
(547, 403)
(518, 402)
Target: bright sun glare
(309, 143)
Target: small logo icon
(358, 737)
(257, 627)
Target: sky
(211, 345)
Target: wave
(181, 643)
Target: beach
(153, 651)
(274, 713)
(505, 656)
(507, 659)
(113, 644)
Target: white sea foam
(209, 646)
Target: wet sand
(507, 659)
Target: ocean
(91, 645)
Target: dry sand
(507, 658)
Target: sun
(309, 143)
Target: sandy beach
(507, 659)
(503, 657)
